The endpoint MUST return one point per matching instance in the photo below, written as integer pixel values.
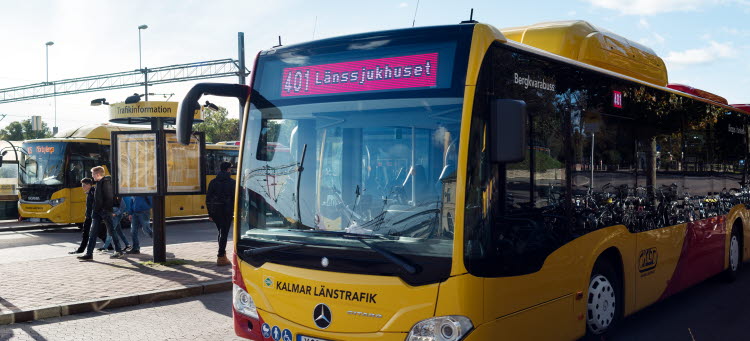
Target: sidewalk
(54, 287)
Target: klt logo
(647, 259)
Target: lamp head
(50, 43)
(133, 99)
(142, 27)
(99, 101)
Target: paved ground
(713, 310)
(36, 270)
(205, 317)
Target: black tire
(604, 301)
(735, 254)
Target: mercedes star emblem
(324, 262)
(322, 316)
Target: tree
(21, 130)
(218, 127)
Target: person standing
(220, 204)
(102, 213)
(118, 211)
(88, 188)
(139, 209)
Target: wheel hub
(601, 304)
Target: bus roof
(578, 40)
(99, 131)
(698, 92)
(744, 107)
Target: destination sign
(40, 149)
(393, 73)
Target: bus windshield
(330, 174)
(352, 144)
(42, 163)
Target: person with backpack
(220, 204)
(139, 209)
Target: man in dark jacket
(102, 213)
(88, 188)
(220, 204)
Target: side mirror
(190, 104)
(508, 131)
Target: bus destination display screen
(393, 73)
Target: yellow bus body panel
(59, 214)
(650, 285)
(400, 305)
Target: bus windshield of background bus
(42, 163)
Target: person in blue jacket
(139, 209)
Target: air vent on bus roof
(581, 41)
(698, 92)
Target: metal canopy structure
(159, 75)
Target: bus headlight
(442, 328)
(55, 202)
(243, 303)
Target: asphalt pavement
(712, 310)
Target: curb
(114, 302)
(52, 226)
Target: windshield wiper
(395, 259)
(300, 168)
(262, 250)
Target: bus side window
(514, 214)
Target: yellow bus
(466, 183)
(52, 168)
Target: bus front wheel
(603, 301)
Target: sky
(705, 43)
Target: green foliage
(20, 131)
(543, 162)
(218, 127)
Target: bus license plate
(35, 220)
(307, 338)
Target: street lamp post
(54, 98)
(140, 60)
(46, 48)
